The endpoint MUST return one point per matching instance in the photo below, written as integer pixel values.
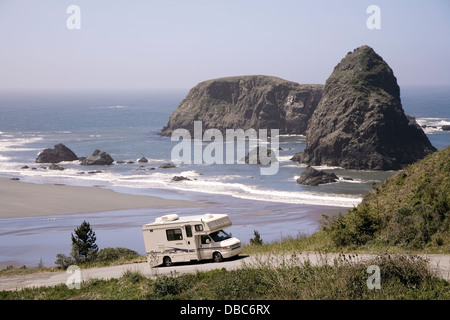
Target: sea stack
(244, 102)
(359, 122)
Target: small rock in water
(55, 167)
(313, 177)
(167, 166)
(180, 178)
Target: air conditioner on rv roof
(168, 217)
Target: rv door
(207, 247)
(191, 246)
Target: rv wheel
(167, 261)
(217, 257)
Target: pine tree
(84, 242)
(256, 240)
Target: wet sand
(21, 199)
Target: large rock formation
(58, 154)
(244, 102)
(359, 122)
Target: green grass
(108, 257)
(402, 277)
(322, 241)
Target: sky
(175, 44)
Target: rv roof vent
(168, 217)
(208, 215)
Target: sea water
(126, 125)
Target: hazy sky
(174, 44)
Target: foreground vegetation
(106, 257)
(402, 277)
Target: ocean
(126, 125)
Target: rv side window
(174, 234)
(205, 239)
(188, 231)
(198, 227)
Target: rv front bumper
(232, 250)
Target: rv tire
(217, 257)
(167, 261)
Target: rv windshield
(219, 236)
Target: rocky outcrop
(58, 154)
(313, 177)
(244, 102)
(359, 122)
(446, 128)
(97, 158)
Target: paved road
(440, 263)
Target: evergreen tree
(84, 241)
(256, 240)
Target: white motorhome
(171, 238)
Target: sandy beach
(21, 199)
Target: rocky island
(244, 102)
(359, 122)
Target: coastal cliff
(359, 122)
(244, 102)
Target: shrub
(64, 261)
(167, 287)
(132, 277)
(356, 228)
(110, 254)
(415, 228)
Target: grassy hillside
(410, 210)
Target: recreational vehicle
(171, 238)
